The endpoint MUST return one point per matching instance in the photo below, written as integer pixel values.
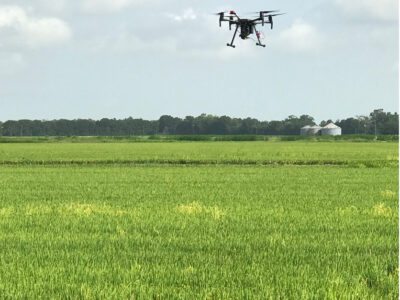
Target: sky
(71, 59)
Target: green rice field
(199, 220)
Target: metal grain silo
(331, 129)
(304, 130)
(314, 130)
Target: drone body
(247, 26)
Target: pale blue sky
(146, 58)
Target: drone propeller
(262, 12)
(271, 20)
(277, 15)
(221, 13)
(268, 11)
(221, 17)
(232, 14)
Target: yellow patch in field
(349, 210)
(381, 210)
(189, 270)
(388, 194)
(121, 231)
(277, 238)
(6, 211)
(86, 210)
(31, 210)
(196, 208)
(392, 157)
(192, 208)
(276, 212)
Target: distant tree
(168, 124)
(391, 124)
(293, 124)
(275, 127)
(324, 123)
(306, 120)
(187, 126)
(378, 122)
(383, 123)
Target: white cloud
(300, 37)
(177, 34)
(112, 6)
(376, 9)
(20, 30)
(53, 5)
(187, 15)
(125, 42)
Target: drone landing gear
(233, 39)
(258, 37)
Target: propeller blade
(276, 15)
(262, 12)
(221, 13)
(268, 11)
(221, 17)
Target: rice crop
(206, 231)
(263, 153)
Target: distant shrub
(236, 138)
(192, 138)
(154, 137)
(356, 137)
(290, 138)
(388, 138)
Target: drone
(247, 26)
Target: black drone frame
(247, 26)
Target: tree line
(377, 122)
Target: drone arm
(234, 13)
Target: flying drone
(247, 26)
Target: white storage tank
(331, 129)
(314, 130)
(305, 130)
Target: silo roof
(305, 127)
(331, 126)
(315, 126)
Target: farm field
(309, 153)
(226, 220)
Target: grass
(206, 231)
(198, 153)
(197, 138)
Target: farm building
(310, 130)
(330, 129)
(304, 130)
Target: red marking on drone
(233, 12)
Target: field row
(236, 153)
(205, 232)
